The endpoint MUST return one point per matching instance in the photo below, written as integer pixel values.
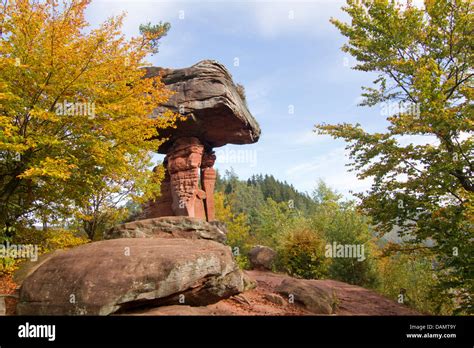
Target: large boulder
(262, 257)
(175, 310)
(215, 112)
(111, 276)
(170, 227)
(300, 298)
(308, 293)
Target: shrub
(238, 230)
(274, 219)
(341, 223)
(49, 240)
(61, 239)
(8, 265)
(301, 253)
(413, 277)
(46, 240)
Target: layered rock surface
(280, 294)
(207, 96)
(170, 227)
(111, 276)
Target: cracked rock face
(207, 96)
(111, 276)
(170, 227)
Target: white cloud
(281, 18)
(258, 92)
(309, 138)
(301, 140)
(317, 162)
(330, 167)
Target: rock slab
(264, 300)
(111, 276)
(206, 95)
(170, 227)
(307, 292)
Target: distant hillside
(258, 188)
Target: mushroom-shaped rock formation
(207, 96)
(215, 115)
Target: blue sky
(289, 59)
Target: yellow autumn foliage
(75, 127)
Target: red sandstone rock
(215, 115)
(264, 300)
(184, 161)
(170, 227)
(104, 277)
(207, 96)
(208, 181)
(187, 165)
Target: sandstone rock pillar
(208, 182)
(188, 185)
(184, 161)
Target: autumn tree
(109, 202)
(424, 59)
(339, 222)
(238, 229)
(75, 110)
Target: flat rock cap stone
(207, 96)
